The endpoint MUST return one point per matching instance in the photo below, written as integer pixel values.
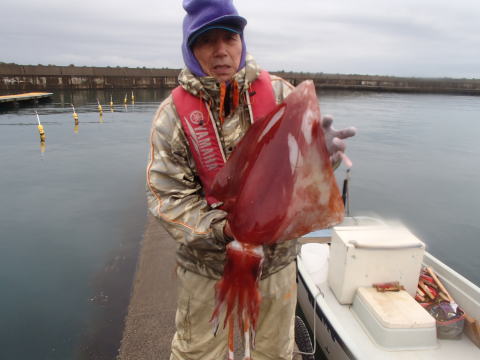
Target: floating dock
(35, 96)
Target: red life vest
(202, 133)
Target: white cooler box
(395, 320)
(364, 255)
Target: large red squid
(277, 185)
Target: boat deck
(348, 338)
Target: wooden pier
(31, 96)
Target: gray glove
(334, 141)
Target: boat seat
(394, 320)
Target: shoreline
(150, 321)
(15, 77)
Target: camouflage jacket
(174, 192)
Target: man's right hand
(334, 140)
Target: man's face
(219, 52)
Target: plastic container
(315, 259)
(364, 255)
(394, 320)
(450, 319)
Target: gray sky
(426, 38)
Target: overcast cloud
(427, 38)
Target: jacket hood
(202, 14)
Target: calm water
(416, 159)
(72, 214)
(71, 219)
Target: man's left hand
(334, 139)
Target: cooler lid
(381, 237)
(395, 309)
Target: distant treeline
(52, 77)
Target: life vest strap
(202, 133)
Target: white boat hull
(341, 336)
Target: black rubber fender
(302, 339)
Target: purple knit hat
(203, 15)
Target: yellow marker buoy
(133, 98)
(100, 109)
(41, 131)
(75, 115)
(126, 99)
(111, 103)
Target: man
(224, 90)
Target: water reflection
(72, 222)
(64, 217)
